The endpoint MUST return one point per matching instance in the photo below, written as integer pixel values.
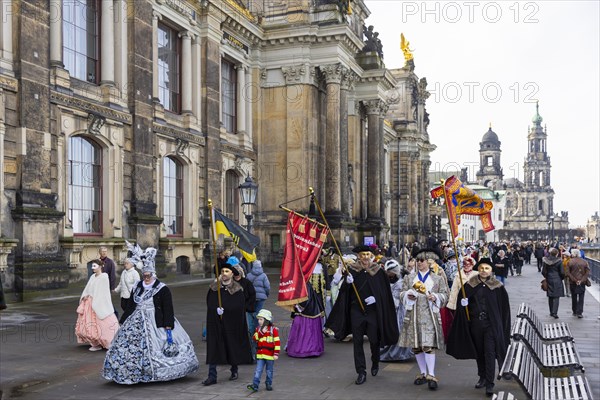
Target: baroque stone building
(120, 119)
(529, 204)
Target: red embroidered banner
(303, 243)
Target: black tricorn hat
(429, 253)
(361, 248)
(483, 261)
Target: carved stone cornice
(232, 149)
(333, 72)
(82, 104)
(178, 134)
(8, 83)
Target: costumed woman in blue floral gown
(151, 345)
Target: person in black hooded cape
(226, 328)
(378, 321)
(486, 336)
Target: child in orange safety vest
(266, 337)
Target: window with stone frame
(85, 186)
(232, 196)
(81, 39)
(228, 96)
(169, 68)
(173, 196)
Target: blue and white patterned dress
(136, 354)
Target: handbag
(588, 282)
(170, 348)
(544, 285)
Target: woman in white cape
(96, 320)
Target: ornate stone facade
(529, 205)
(293, 108)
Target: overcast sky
(488, 62)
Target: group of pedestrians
(444, 298)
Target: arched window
(541, 206)
(85, 186)
(173, 197)
(232, 197)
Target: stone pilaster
(241, 104)
(121, 48)
(425, 189)
(414, 194)
(333, 76)
(348, 81)
(143, 220)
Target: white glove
(349, 278)
(220, 310)
(370, 300)
(464, 302)
(337, 277)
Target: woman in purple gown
(306, 335)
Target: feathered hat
(146, 257)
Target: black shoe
(420, 379)
(432, 382)
(480, 383)
(362, 378)
(269, 387)
(489, 390)
(234, 376)
(555, 316)
(209, 382)
(579, 316)
(374, 370)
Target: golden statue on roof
(405, 47)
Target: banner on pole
(303, 244)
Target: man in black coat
(226, 329)
(377, 320)
(486, 335)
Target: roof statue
(405, 47)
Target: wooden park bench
(520, 364)
(554, 356)
(554, 331)
(504, 396)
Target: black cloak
(227, 339)
(387, 330)
(460, 344)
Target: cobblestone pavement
(40, 357)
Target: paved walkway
(40, 358)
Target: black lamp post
(248, 192)
(551, 228)
(402, 219)
(472, 229)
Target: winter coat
(554, 274)
(260, 280)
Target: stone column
(196, 76)
(186, 72)
(333, 75)
(241, 103)
(56, 44)
(107, 44)
(247, 94)
(155, 18)
(426, 200)
(121, 49)
(373, 161)
(347, 84)
(414, 194)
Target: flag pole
(215, 260)
(462, 286)
(313, 197)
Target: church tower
(490, 173)
(537, 167)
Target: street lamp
(551, 223)
(472, 229)
(248, 192)
(402, 220)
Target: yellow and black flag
(243, 239)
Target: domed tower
(537, 165)
(490, 173)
